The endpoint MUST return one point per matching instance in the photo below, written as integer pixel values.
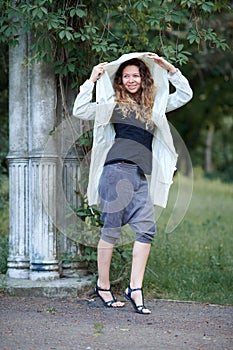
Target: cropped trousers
(125, 199)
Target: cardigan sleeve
(183, 93)
(83, 107)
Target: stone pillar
(69, 249)
(18, 261)
(42, 168)
(32, 107)
(43, 177)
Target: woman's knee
(110, 235)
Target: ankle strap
(133, 289)
(103, 289)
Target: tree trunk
(209, 168)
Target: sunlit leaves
(141, 5)
(77, 12)
(193, 37)
(177, 54)
(209, 36)
(66, 32)
(206, 6)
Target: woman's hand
(97, 71)
(163, 63)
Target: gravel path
(37, 323)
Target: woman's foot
(107, 297)
(137, 300)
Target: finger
(100, 70)
(153, 55)
(102, 64)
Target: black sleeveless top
(133, 142)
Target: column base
(18, 267)
(18, 273)
(44, 271)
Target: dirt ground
(40, 323)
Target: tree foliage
(74, 34)
(3, 108)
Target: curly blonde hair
(142, 102)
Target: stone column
(18, 261)
(69, 249)
(43, 178)
(42, 168)
(32, 106)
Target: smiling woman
(134, 87)
(124, 152)
(131, 79)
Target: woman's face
(131, 79)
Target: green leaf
(62, 34)
(80, 13)
(71, 67)
(207, 6)
(193, 37)
(44, 9)
(35, 12)
(40, 13)
(3, 28)
(68, 35)
(8, 31)
(180, 47)
(72, 12)
(77, 12)
(77, 35)
(81, 213)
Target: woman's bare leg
(105, 251)
(140, 256)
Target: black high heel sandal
(109, 303)
(138, 308)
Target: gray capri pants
(125, 199)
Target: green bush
(3, 253)
(4, 204)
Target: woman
(133, 157)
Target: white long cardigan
(164, 155)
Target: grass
(195, 261)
